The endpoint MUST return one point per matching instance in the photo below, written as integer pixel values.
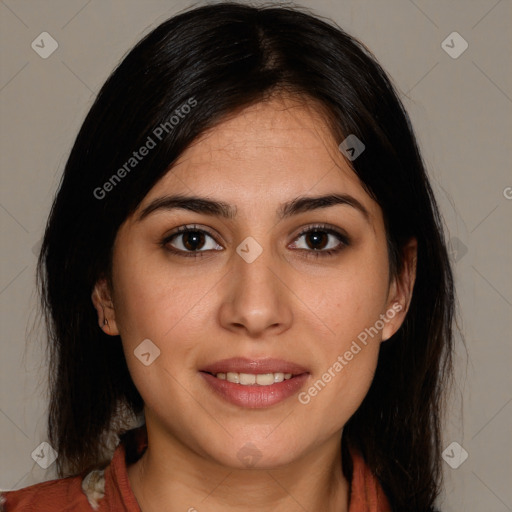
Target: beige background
(461, 109)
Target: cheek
(347, 355)
(352, 297)
(148, 295)
(349, 304)
(335, 395)
(167, 306)
(157, 306)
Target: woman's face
(281, 285)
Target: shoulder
(62, 495)
(366, 493)
(100, 490)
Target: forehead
(279, 136)
(265, 154)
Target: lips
(254, 366)
(254, 383)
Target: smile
(249, 379)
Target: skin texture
(283, 305)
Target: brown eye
(190, 240)
(193, 240)
(321, 241)
(317, 239)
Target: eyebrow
(218, 208)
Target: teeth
(250, 379)
(233, 377)
(265, 379)
(247, 379)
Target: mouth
(253, 379)
(254, 383)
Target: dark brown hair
(228, 56)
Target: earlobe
(102, 301)
(401, 290)
(394, 318)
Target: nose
(257, 300)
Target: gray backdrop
(460, 101)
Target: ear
(102, 301)
(400, 290)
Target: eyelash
(310, 252)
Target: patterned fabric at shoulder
(93, 486)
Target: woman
(245, 254)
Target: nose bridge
(252, 267)
(256, 299)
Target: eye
(321, 240)
(191, 240)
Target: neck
(170, 476)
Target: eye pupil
(317, 236)
(193, 238)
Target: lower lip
(255, 397)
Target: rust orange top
(110, 490)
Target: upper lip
(255, 366)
